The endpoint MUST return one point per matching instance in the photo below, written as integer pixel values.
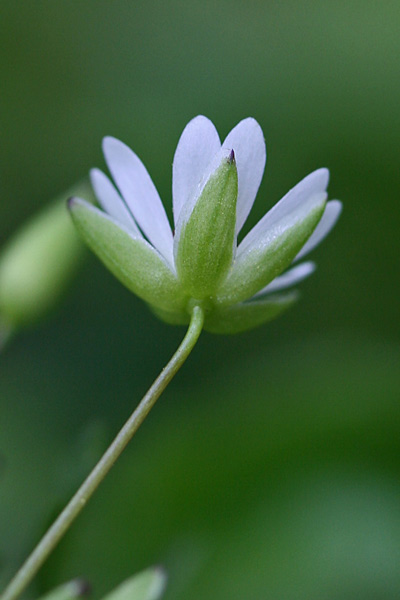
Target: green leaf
(132, 260)
(147, 585)
(269, 255)
(248, 315)
(205, 237)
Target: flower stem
(33, 563)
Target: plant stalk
(49, 541)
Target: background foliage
(271, 467)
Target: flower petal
(326, 224)
(197, 146)
(140, 194)
(111, 201)
(132, 260)
(291, 277)
(248, 315)
(247, 141)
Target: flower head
(214, 187)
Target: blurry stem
(33, 563)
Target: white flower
(214, 188)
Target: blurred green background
(271, 466)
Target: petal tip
(250, 120)
(338, 205)
(199, 118)
(324, 175)
(110, 142)
(95, 174)
(199, 121)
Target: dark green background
(271, 467)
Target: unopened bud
(37, 263)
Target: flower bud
(37, 263)
(146, 585)
(72, 590)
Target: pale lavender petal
(247, 141)
(326, 224)
(196, 148)
(293, 206)
(111, 201)
(291, 277)
(140, 194)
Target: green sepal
(68, 591)
(248, 315)
(205, 238)
(132, 260)
(147, 585)
(256, 267)
(170, 317)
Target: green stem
(89, 486)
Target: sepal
(205, 236)
(131, 259)
(171, 317)
(269, 253)
(248, 315)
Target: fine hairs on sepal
(238, 286)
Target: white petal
(328, 221)
(291, 277)
(293, 206)
(197, 146)
(111, 201)
(140, 194)
(247, 141)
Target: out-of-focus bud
(146, 585)
(72, 590)
(37, 264)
